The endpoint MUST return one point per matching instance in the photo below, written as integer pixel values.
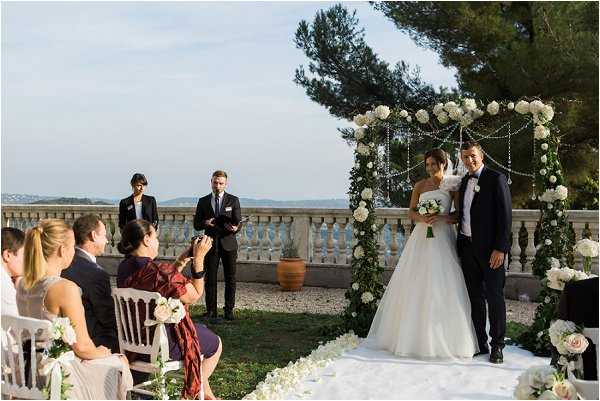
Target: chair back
(20, 366)
(587, 389)
(132, 308)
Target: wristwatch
(198, 275)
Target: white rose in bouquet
(587, 248)
(382, 112)
(438, 108)
(536, 107)
(360, 120)
(493, 108)
(576, 343)
(561, 192)
(367, 297)
(363, 149)
(450, 105)
(564, 390)
(535, 380)
(541, 132)
(442, 117)
(177, 309)
(359, 133)
(69, 336)
(522, 107)
(422, 116)
(559, 329)
(359, 252)
(547, 113)
(403, 113)
(367, 194)
(455, 113)
(546, 395)
(370, 117)
(360, 214)
(469, 104)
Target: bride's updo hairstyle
(439, 156)
(132, 235)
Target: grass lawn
(258, 342)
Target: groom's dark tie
(217, 210)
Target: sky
(93, 92)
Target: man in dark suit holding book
(219, 215)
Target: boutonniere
(477, 189)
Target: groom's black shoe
(484, 351)
(496, 355)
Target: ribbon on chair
(53, 366)
(160, 341)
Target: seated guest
(95, 373)
(12, 268)
(187, 340)
(90, 240)
(579, 304)
(138, 205)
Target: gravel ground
(328, 300)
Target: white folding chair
(587, 389)
(15, 331)
(135, 337)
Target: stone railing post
(300, 230)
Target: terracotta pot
(290, 274)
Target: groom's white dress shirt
(465, 226)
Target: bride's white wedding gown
(425, 311)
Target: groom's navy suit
(490, 222)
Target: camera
(194, 238)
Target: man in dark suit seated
(94, 282)
(579, 304)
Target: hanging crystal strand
(533, 196)
(509, 158)
(387, 163)
(408, 158)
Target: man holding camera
(219, 215)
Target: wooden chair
(16, 382)
(132, 309)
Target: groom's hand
(497, 259)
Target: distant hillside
(20, 199)
(69, 201)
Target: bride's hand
(435, 219)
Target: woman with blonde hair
(43, 294)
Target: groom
(485, 214)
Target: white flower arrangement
(544, 383)
(169, 310)
(281, 383)
(543, 171)
(360, 120)
(443, 117)
(466, 120)
(510, 106)
(544, 159)
(554, 263)
(382, 112)
(469, 104)
(544, 146)
(370, 165)
(536, 107)
(493, 108)
(422, 116)
(548, 242)
(570, 343)
(522, 107)
(359, 252)
(450, 106)
(437, 109)
(370, 117)
(367, 194)
(62, 330)
(355, 286)
(429, 207)
(409, 119)
(367, 297)
(57, 355)
(587, 248)
(541, 132)
(476, 189)
(552, 179)
(455, 113)
(557, 277)
(403, 113)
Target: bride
(425, 311)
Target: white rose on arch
(363, 149)
(403, 113)
(547, 113)
(455, 113)
(360, 214)
(522, 107)
(561, 192)
(541, 132)
(510, 106)
(382, 112)
(409, 119)
(362, 204)
(422, 116)
(355, 286)
(360, 120)
(359, 133)
(477, 113)
(493, 108)
(536, 107)
(367, 297)
(469, 104)
(367, 194)
(450, 105)
(438, 108)
(442, 117)
(359, 252)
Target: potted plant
(291, 268)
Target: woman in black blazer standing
(138, 205)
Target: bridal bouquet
(429, 207)
(544, 383)
(570, 343)
(56, 356)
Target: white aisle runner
(364, 373)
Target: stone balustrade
(322, 236)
